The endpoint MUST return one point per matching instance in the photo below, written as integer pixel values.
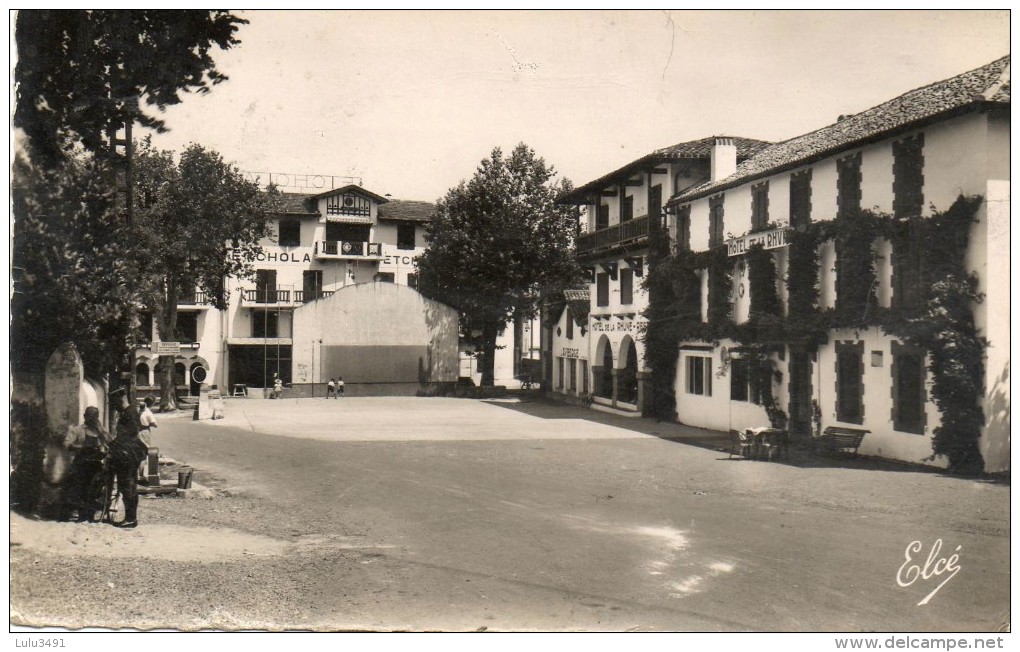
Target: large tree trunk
(167, 393)
(166, 322)
(518, 342)
(489, 332)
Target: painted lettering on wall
(284, 257)
(392, 259)
(628, 326)
(767, 239)
(569, 353)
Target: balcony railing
(618, 234)
(195, 298)
(339, 249)
(265, 296)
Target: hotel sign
(773, 239)
(166, 348)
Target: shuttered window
(759, 206)
(908, 176)
(848, 185)
(626, 286)
(800, 200)
(602, 289)
(715, 221)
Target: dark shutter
(738, 379)
(850, 383)
(848, 185)
(759, 206)
(908, 176)
(602, 217)
(800, 200)
(602, 289)
(265, 286)
(715, 221)
(626, 286)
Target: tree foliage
(496, 243)
(197, 221)
(80, 71)
(73, 267)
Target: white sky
(411, 101)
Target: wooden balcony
(343, 250)
(280, 298)
(604, 240)
(197, 300)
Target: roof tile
(989, 83)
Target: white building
(905, 158)
(623, 215)
(323, 249)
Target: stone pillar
(62, 392)
(596, 380)
(643, 378)
(616, 385)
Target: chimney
(724, 158)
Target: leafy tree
(496, 243)
(197, 221)
(72, 265)
(80, 71)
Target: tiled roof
(984, 85)
(703, 148)
(407, 211)
(379, 199)
(691, 149)
(297, 204)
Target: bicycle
(102, 497)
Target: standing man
(340, 387)
(331, 389)
(127, 452)
(88, 442)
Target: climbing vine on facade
(940, 319)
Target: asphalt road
(436, 514)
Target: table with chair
(759, 443)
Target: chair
(741, 443)
(240, 390)
(774, 443)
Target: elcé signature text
(934, 567)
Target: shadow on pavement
(536, 405)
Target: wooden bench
(839, 439)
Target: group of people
(335, 389)
(90, 443)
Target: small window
(759, 206)
(715, 221)
(385, 277)
(265, 323)
(699, 375)
(602, 217)
(739, 379)
(602, 289)
(290, 233)
(626, 286)
(627, 209)
(187, 327)
(412, 281)
(405, 236)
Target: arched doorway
(142, 375)
(180, 374)
(604, 381)
(196, 378)
(627, 382)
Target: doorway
(800, 393)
